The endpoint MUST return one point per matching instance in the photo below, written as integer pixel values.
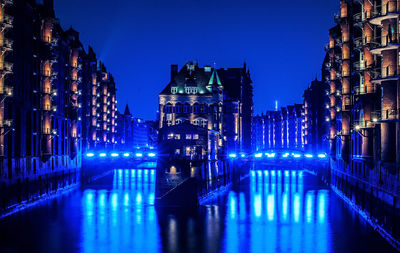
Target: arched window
(196, 122)
(203, 108)
(187, 108)
(196, 108)
(168, 108)
(178, 108)
(178, 121)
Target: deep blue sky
(281, 41)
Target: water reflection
(271, 211)
(281, 210)
(122, 217)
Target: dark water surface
(271, 211)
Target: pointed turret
(127, 111)
(214, 80)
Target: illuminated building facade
(99, 105)
(364, 77)
(40, 110)
(216, 99)
(44, 75)
(276, 130)
(316, 117)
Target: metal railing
(385, 72)
(391, 114)
(6, 43)
(390, 7)
(7, 19)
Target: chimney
(174, 71)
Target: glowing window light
(321, 155)
(126, 154)
(89, 154)
(242, 155)
(114, 154)
(138, 154)
(152, 154)
(285, 155)
(308, 155)
(102, 154)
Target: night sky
(281, 41)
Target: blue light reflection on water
(271, 211)
(121, 218)
(282, 208)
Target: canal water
(270, 211)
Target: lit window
(170, 136)
(174, 90)
(177, 151)
(195, 137)
(177, 136)
(188, 137)
(188, 151)
(191, 90)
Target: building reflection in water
(122, 217)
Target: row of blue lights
(285, 155)
(289, 155)
(126, 154)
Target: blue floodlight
(308, 155)
(232, 155)
(152, 154)
(126, 154)
(296, 155)
(114, 154)
(258, 155)
(89, 155)
(139, 154)
(270, 155)
(102, 154)
(322, 156)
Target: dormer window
(174, 90)
(190, 90)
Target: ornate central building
(217, 99)
(194, 95)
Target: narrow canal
(270, 211)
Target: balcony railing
(8, 20)
(364, 90)
(392, 114)
(6, 45)
(384, 41)
(7, 2)
(359, 124)
(391, 71)
(6, 123)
